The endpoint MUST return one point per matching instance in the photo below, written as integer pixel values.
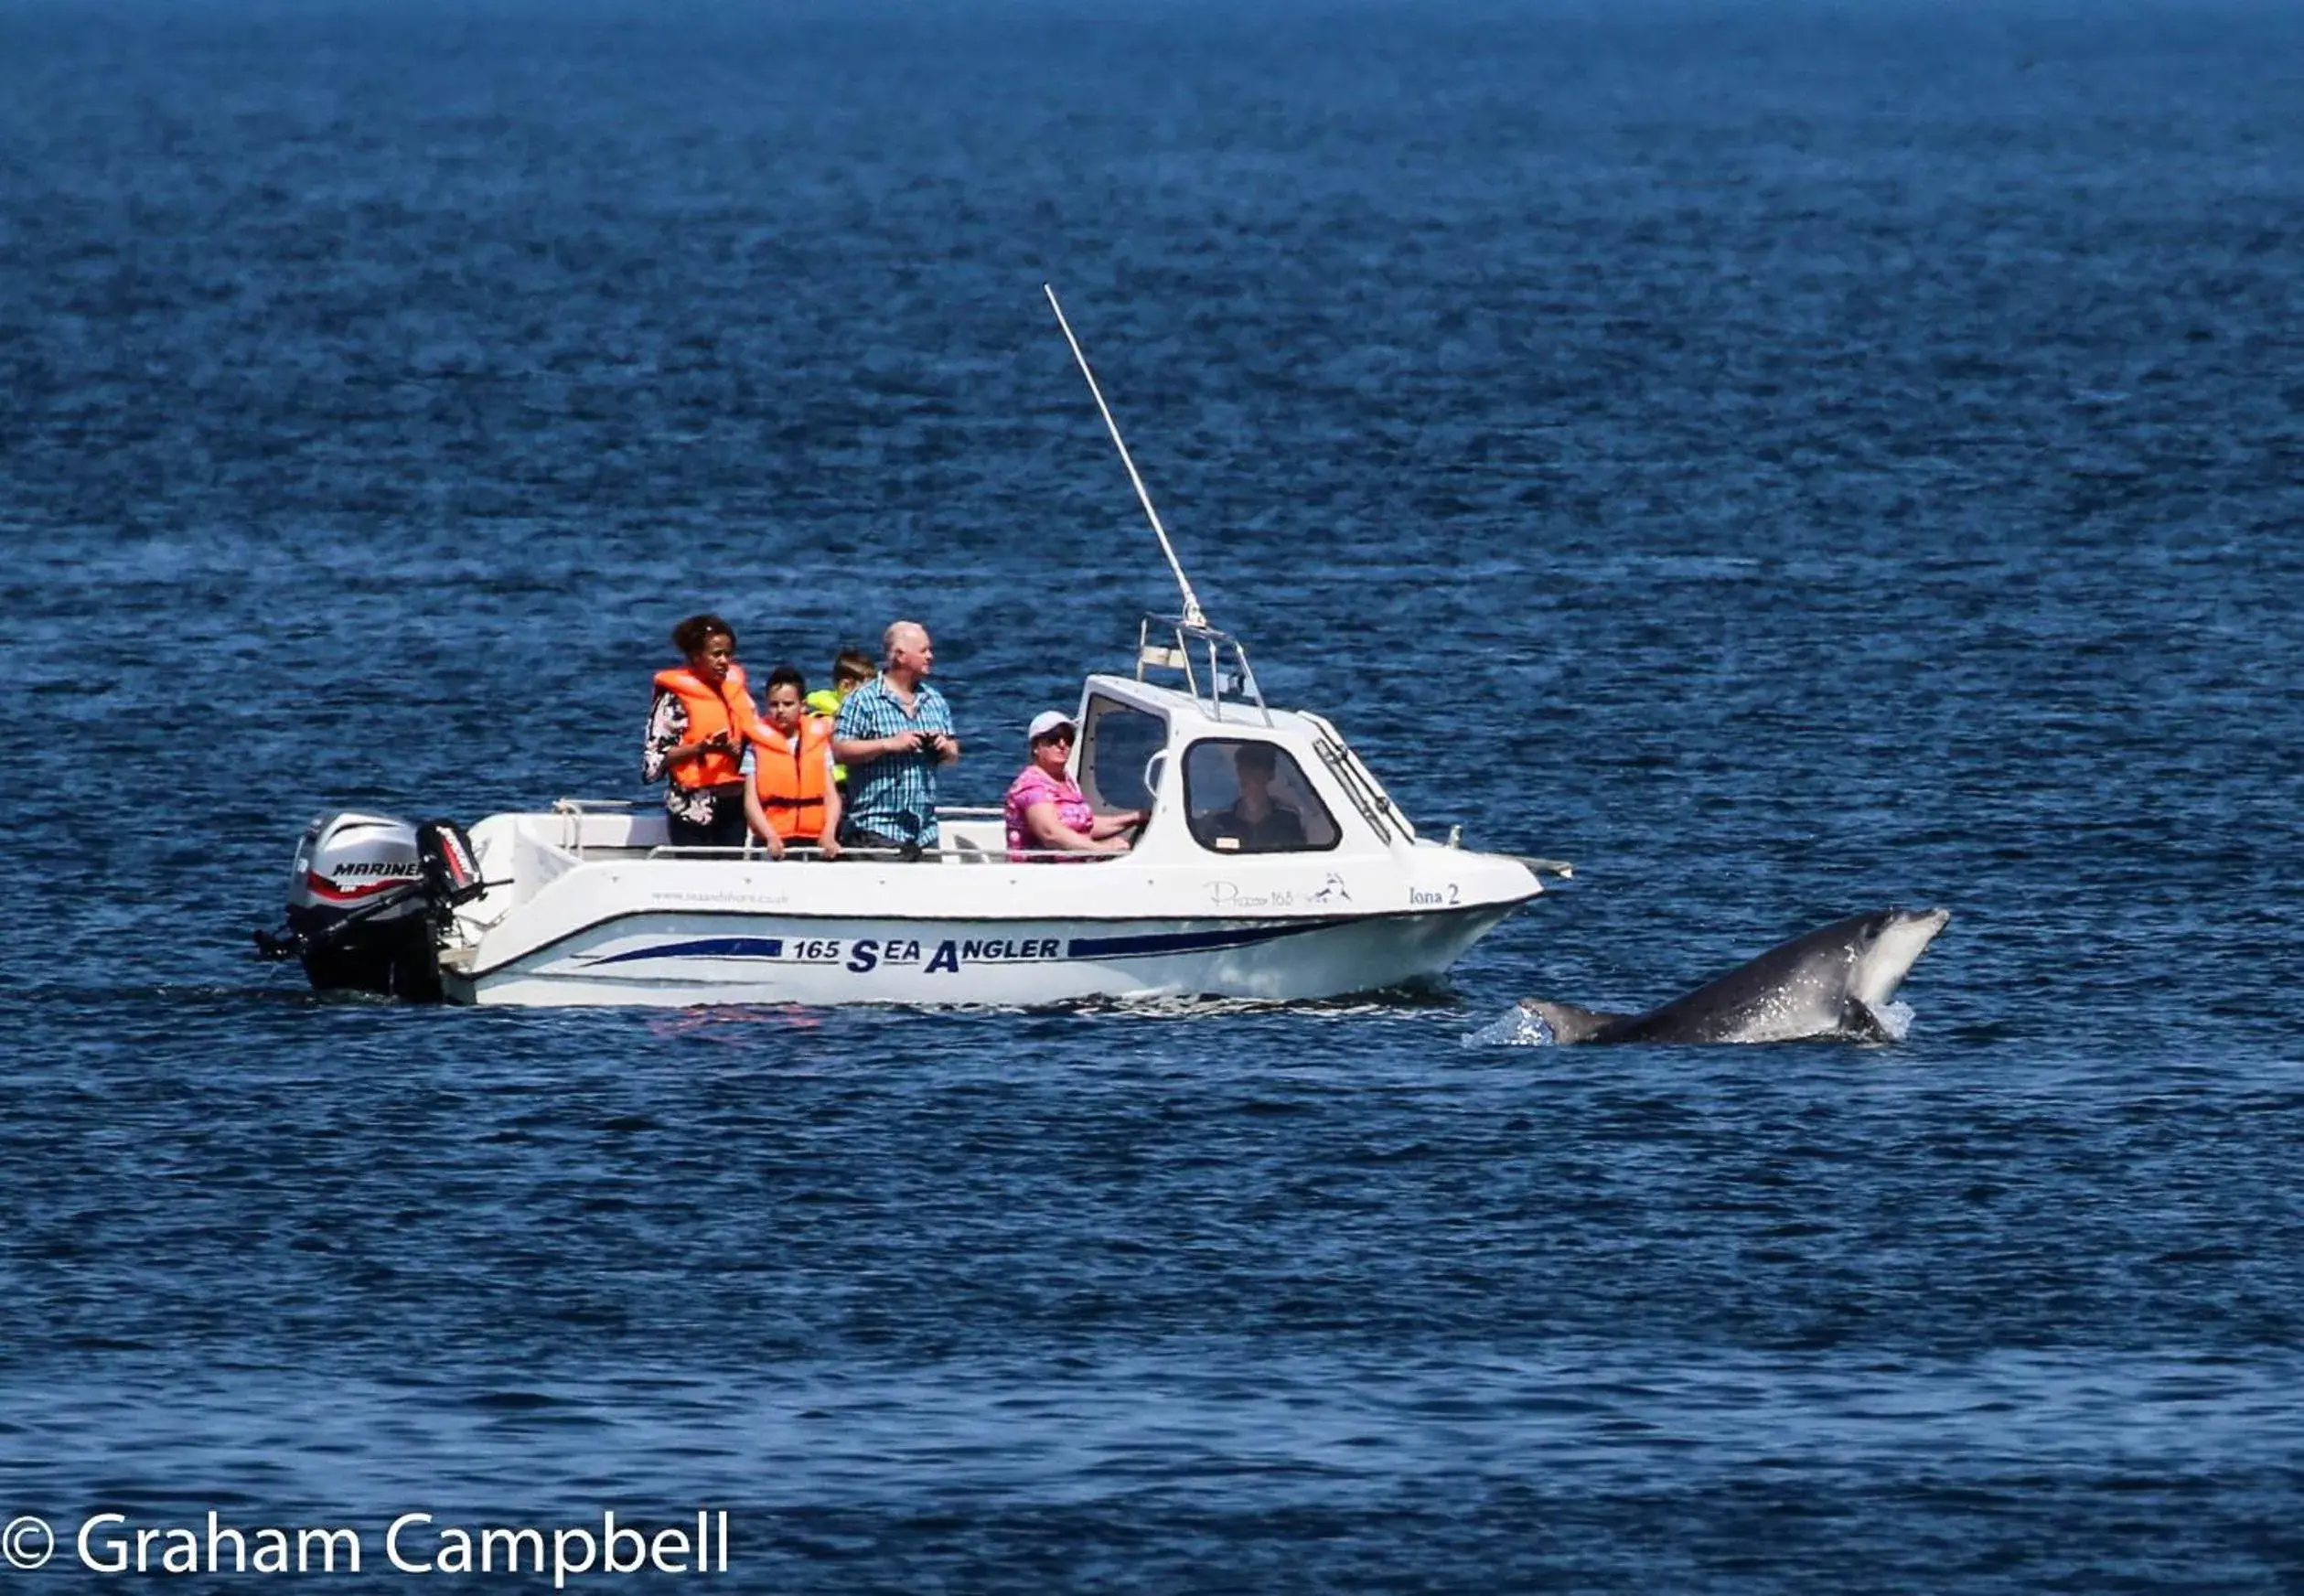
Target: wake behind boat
(588, 902)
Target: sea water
(1786, 460)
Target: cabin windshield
(1117, 744)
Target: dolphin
(1828, 985)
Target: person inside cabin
(851, 667)
(697, 728)
(893, 733)
(792, 800)
(1047, 813)
(1255, 823)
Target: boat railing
(955, 849)
(573, 811)
(753, 850)
(924, 855)
(1214, 664)
(966, 854)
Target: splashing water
(1894, 1017)
(1517, 1027)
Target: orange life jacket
(788, 775)
(727, 709)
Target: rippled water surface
(1786, 459)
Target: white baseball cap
(1048, 721)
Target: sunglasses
(1066, 735)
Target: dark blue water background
(1786, 459)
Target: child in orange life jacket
(792, 798)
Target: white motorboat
(586, 902)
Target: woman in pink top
(1046, 811)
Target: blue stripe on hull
(711, 948)
(1156, 943)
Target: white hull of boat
(683, 959)
(586, 907)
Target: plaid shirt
(893, 795)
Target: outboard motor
(369, 901)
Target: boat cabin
(1183, 755)
(1183, 759)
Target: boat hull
(678, 959)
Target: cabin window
(1252, 797)
(1117, 744)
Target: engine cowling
(368, 899)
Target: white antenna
(1192, 616)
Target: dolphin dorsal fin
(1568, 1023)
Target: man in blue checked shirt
(892, 733)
